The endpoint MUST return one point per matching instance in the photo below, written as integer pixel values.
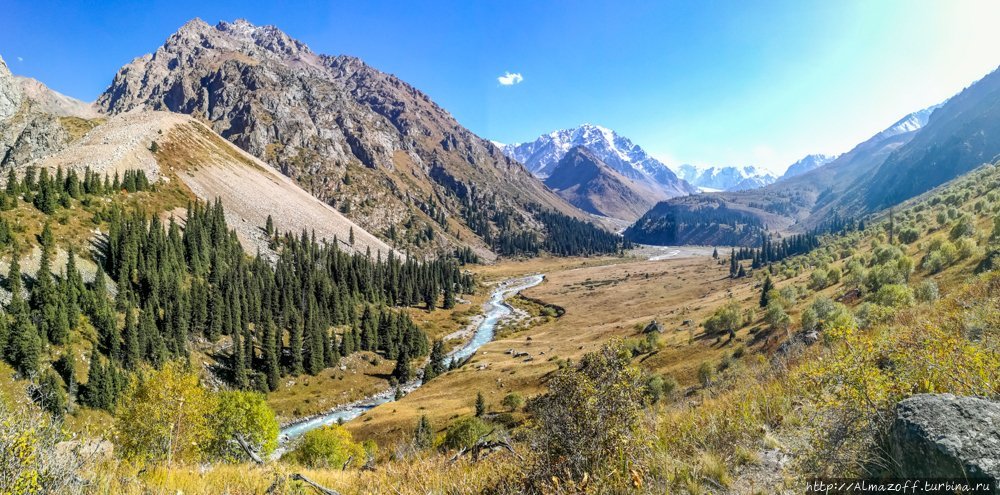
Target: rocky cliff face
(360, 139)
(27, 130)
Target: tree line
(159, 286)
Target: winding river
(495, 310)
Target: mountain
(795, 204)
(725, 178)
(618, 152)
(364, 141)
(961, 135)
(585, 181)
(807, 163)
(210, 168)
(36, 121)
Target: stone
(946, 436)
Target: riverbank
(495, 310)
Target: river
(495, 310)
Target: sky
(704, 82)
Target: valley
(249, 267)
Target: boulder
(946, 436)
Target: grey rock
(945, 436)
(27, 131)
(10, 92)
(314, 116)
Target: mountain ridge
(359, 139)
(588, 183)
(615, 150)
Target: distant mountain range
(725, 178)
(618, 152)
(948, 139)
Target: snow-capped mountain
(807, 163)
(618, 152)
(725, 178)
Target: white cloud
(19, 59)
(510, 78)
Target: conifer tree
(480, 405)
(765, 292)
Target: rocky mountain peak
(10, 92)
(317, 117)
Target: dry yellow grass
(604, 298)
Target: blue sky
(708, 82)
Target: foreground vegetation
(802, 381)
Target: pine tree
(449, 296)
(734, 265)
(715, 253)
(480, 405)
(423, 435)
(765, 292)
(132, 348)
(402, 372)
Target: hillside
(795, 204)
(588, 183)
(361, 140)
(210, 168)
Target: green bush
(464, 433)
(245, 414)
(927, 291)
(894, 296)
(726, 319)
(513, 401)
(328, 447)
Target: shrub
(464, 433)
(590, 421)
(328, 447)
(819, 279)
(164, 415)
(30, 462)
(706, 374)
(927, 291)
(776, 317)
(909, 235)
(725, 319)
(245, 414)
(894, 296)
(513, 401)
(964, 227)
(870, 314)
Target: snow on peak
(619, 152)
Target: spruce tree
(764, 292)
(480, 405)
(423, 435)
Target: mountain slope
(794, 204)
(211, 168)
(725, 178)
(963, 134)
(588, 183)
(618, 152)
(36, 121)
(806, 164)
(359, 139)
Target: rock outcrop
(28, 129)
(353, 136)
(945, 436)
